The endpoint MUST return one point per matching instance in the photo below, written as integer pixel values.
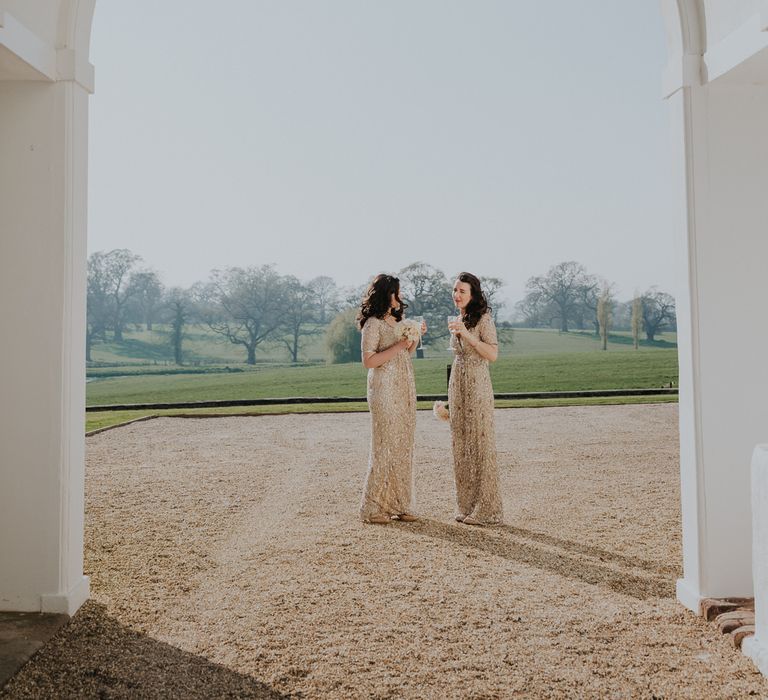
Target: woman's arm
(486, 350)
(372, 360)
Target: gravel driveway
(227, 560)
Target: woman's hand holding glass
(452, 321)
(456, 326)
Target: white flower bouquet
(411, 331)
(440, 409)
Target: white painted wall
(40, 16)
(686, 297)
(726, 16)
(43, 174)
(723, 376)
(731, 211)
(719, 151)
(43, 139)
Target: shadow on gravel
(506, 542)
(95, 656)
(596, 552)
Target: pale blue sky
(347, 137)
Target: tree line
(567, 296)
(246, 306)
(254, 306)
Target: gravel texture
(227, 560)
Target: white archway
(715, 84)
(46, 80)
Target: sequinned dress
(392, 402)
(470, 400)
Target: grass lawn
(203, 347)
(140, 371)
(563, 372)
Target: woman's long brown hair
(377, 299)
(478, 304)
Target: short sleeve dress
(470, 399)
(392, 402)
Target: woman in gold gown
(388, 492)
(470, 397)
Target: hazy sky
(348, 137)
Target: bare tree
(492, 287)
(115, 269)
(350, 297)
(427, 291)
(590, 294)
(178, 309)
(99, 308)
(109, 290)
(637, 321)
(621, 315)
(245, 305)
(533, 309)
(423, 287)
(604, 304)
(147, 296)
(326, 296)
(301, 309)
(658, 312)
(562, 289)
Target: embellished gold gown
(470, 401)
(392, 403)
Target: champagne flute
(452, 319)
(420, 320)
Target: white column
(43, 168)
(720, 146)
(757, 647)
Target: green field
(140, 370)
(564, 371)
(202, 347)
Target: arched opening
(718, 106)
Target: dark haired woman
(470, 397)
(388, 492)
